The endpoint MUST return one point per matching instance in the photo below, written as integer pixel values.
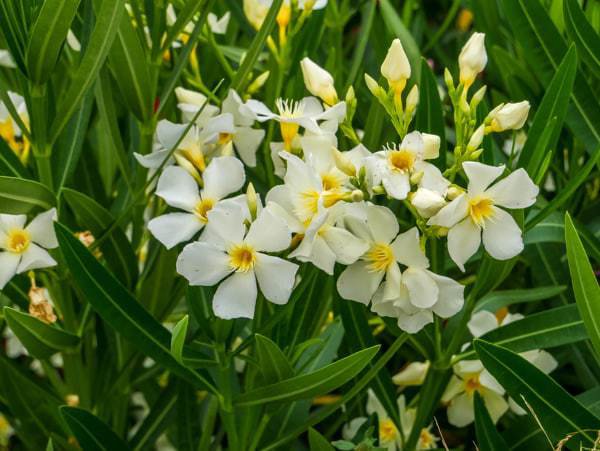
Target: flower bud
(357, 195)
(511, 116)
(416, 177)
(251, 200)
(478, 97)
(476, 138)
(453, 192)
(448, 80)
(318, 81)
(413, 374)
(442, 232)
(431, 146)
(475, 155)
(395, 67)
(255, 12)
(343, 163)
(72, 400)
(412, 99)
(373, 86)
(427, 202)
(472, 59)
(258, 82)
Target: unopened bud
(441, 232)
(431, 146)
(72, 400)
(478, 97)
(476, 138)
(343, 163)
(416, 177)
(378, 189)
(448, 80)
(251, 200)
(472, 59)
(357, 195)
(350, 95)
(511, 116)
(188, 166)
(373, 86)
(395, 67)
(318, 81)
(453, 192)
(475, 155)
(258, 82)
(412, 99)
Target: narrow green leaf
(178, 338)
(47, 37)
(274, 365)
(116, 248)
(241, 77)
(19, 196)
(41, 339)
(496, 300)
(317, 442)
(488, 438)
(108, 18)
(546, 329)
(309, 385)
(120, 310)
(553, 105)
(557, 411)
(585, 285)
(91, 432)
(583, 34)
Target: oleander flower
(476, 214)
(238, 257)
(23, 248)
(412, 374)
(218, 25)
(421, 293)
(472, 59)
(509, 116)
(318, 81)
(395, 67)
(10, 130)
(6, 59)
(189, 102)
(222, 177)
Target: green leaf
(585, 285)
(120, 310)
(108, 18)
(309, 385)
(496, 300)
(317, 442)
(556, 410)
(241, 77)
(91, 432)
(545, 48)
(546, 329)
(130, 68)
(41, 339)
(553, 105)
(430, 115)
(116, 248)
(47, 37)
(274, 365)
(488, 437)
(178, 338)
(583, 34)
(20, 196)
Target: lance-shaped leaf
(585, 285)
(120, 310)
(497, 299)
(557, 411)
(41, 339)
(312, 384)
(488, 437)
(91, 432)
(19, 196)
(583, 34)
(178, 338)
(274, 365)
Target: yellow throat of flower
(401, 160)
(225, 138)
(202, 208)
(242, 257)
(480, 209)
(289, 110)
(472, 384)
(18, 241)
(379, 257)
(426, 439)
(18, 144)
(387, 431)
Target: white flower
(421, 292)
(292, 115)
(239, 257)
(72, 41)
(469, 377)
(476, 213)
(222, 177)
(6, 59)
(218, 26)
(393, 167)
(189, 102)
(256, 10)
(318, 81)
(395, 67)
(244, 138)
(509, 116)
(9, 129)
(472, 59)
(413, 374)
(23, 248)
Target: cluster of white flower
(326, 211)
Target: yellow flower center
(472, 383)
(18, 144)
(289, 110)
(501, 314)
(480, 209)
(401, 160)
(18, 241)
(202, 208)
(195, 156)
(379, 257)
(242, 257)
(225, 138)
(330, 181)
(426, 439)
(387, 431)
(308, 206)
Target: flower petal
(41, 229)
(502, 237)
(10, 222)
(346, 247)
(236, 296)
(174, 228)
(407, 249)
(382, 222)
(481, 176)
(452, 213)
(482, 322)
(451, 298)
(246, 141)
(358, 283)
(168, 133)
(269, 233)
(495, 404)
(397, 185)
(178, 188)
(8, 267)
(422, 289)
(222, 177)
(203, 264)
(515, 191)
(463, 241)
(35, 258)
(460, 410)
(275, 277)
(413, 323)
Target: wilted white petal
(246, 141)
(413, 323)
(451, 298)
(344, 245)
(397, 185)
